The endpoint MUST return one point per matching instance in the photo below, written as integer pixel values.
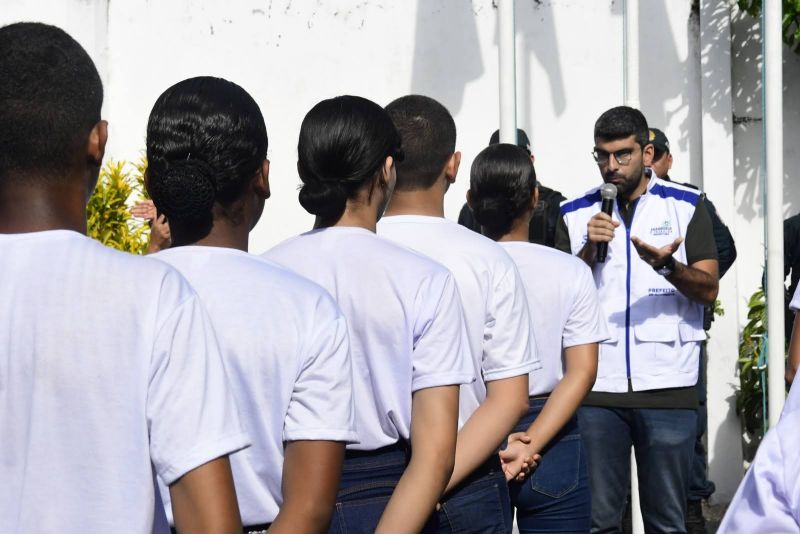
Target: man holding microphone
(660, 268)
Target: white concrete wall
(290, 54)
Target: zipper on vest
(628, 299)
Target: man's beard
(627, 185)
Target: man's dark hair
(621, 122)
(50, 99)
(429, 139)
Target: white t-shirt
(109, 371)
(501, 340)
(285, 348)
(404, 317)
(561, 289)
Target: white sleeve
(509, 342)
(585, 323)
(441, 347)
(794, 305)
(767, 499)
(321, 405)
(191, 413)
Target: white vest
(655, 331)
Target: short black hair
(621, 122)
(501, 183)
(343, 143)
(50, 99)
(428, 132)
(206, 139)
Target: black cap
(522, 139)
(659, 140)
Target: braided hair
(206, 139)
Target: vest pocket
(656, 348)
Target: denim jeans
(663, 441)
(699, 486)
(480, 504)
(368, 480)
(556, 497)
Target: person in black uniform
(546, 214)
(699, 486)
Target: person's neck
(356, 215)
(520, 229)
(639, 191)
(44, 204)
(428, 202)
(226, 235)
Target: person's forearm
(793, 362)
(309, 507)
(588, 253)
(694, 284)
(415, 497)
(488, 427)
(559, 408)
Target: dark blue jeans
(556, 497)
(663, 441)
(480, 504)
(368, 480)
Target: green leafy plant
(108, 211)
(791, 19)
(750, 405)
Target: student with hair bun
(569, 326)
(404, 315)
(283, 339)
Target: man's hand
(144, 209)
(600, 228)
(655, 257)
(517, 460)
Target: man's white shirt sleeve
(441, 349)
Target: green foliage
(108, 212)
(750, 397)
(791, 19)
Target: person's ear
(451, 168)
(96, 146)
(669, 161)
(533, 158)
(469, 198)
(386, 175)
(261, 180)
(535, 197)
(647, 155)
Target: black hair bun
(185, 190)
(495, 213)
(325, 199)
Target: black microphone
(608, 193)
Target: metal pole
(631, 94)
(508, 78)
(773, 146)
(631, 53)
